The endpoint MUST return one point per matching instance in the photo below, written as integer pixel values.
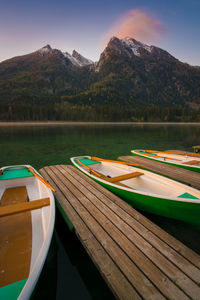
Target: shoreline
(63, 123)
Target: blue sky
(26, 26)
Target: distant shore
(63, 123)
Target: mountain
(147, 75)
(131, 49)
(80, 60)
(128, 73)
(44, 74)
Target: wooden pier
(137, 259)
(189, 177)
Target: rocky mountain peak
(81, 60)
(45, 49)
(128, 46)
(76, 54)
(133, 50)
(77, 59)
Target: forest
(65, 111)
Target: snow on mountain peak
(135, 45)
(72, 59)
(129, 45)
(77, 59)
(45, 49)
(81, 60)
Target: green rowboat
(143, 189)
(187, 160)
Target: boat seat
(13, 209)
(125, 177)
(192, 162)
(15, 200)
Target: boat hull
(190, 168)
(183, 211)
(188, 212)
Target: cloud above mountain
(137, 24)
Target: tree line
(64, 111)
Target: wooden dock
(137, 259)
(183, 175)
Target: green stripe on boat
(87, 161)
(144, 152)
(12, 291)
(187, 195)
(15, 173)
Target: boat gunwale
(135, 191)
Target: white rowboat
(27, 215)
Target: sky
(87, 26)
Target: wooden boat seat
(125, 177)
(192, 162)
(106, 178)
(23, 207)
(114, 179)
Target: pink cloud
(137, 24)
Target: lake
(69, 273)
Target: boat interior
(15, 238)
(172, 157)
(22, 228)
(137, 179)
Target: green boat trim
(187, 195)
(14, 173)
(144, 152)
(187, 211)
(12, 291)
(88, 162)
(187, 167)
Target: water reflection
(48, 145)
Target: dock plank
(136, 247)
(146, 227)
(132, 273)
(116, 225)
(109, 270)
(141, 235)
(130, 251)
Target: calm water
(69, 273)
